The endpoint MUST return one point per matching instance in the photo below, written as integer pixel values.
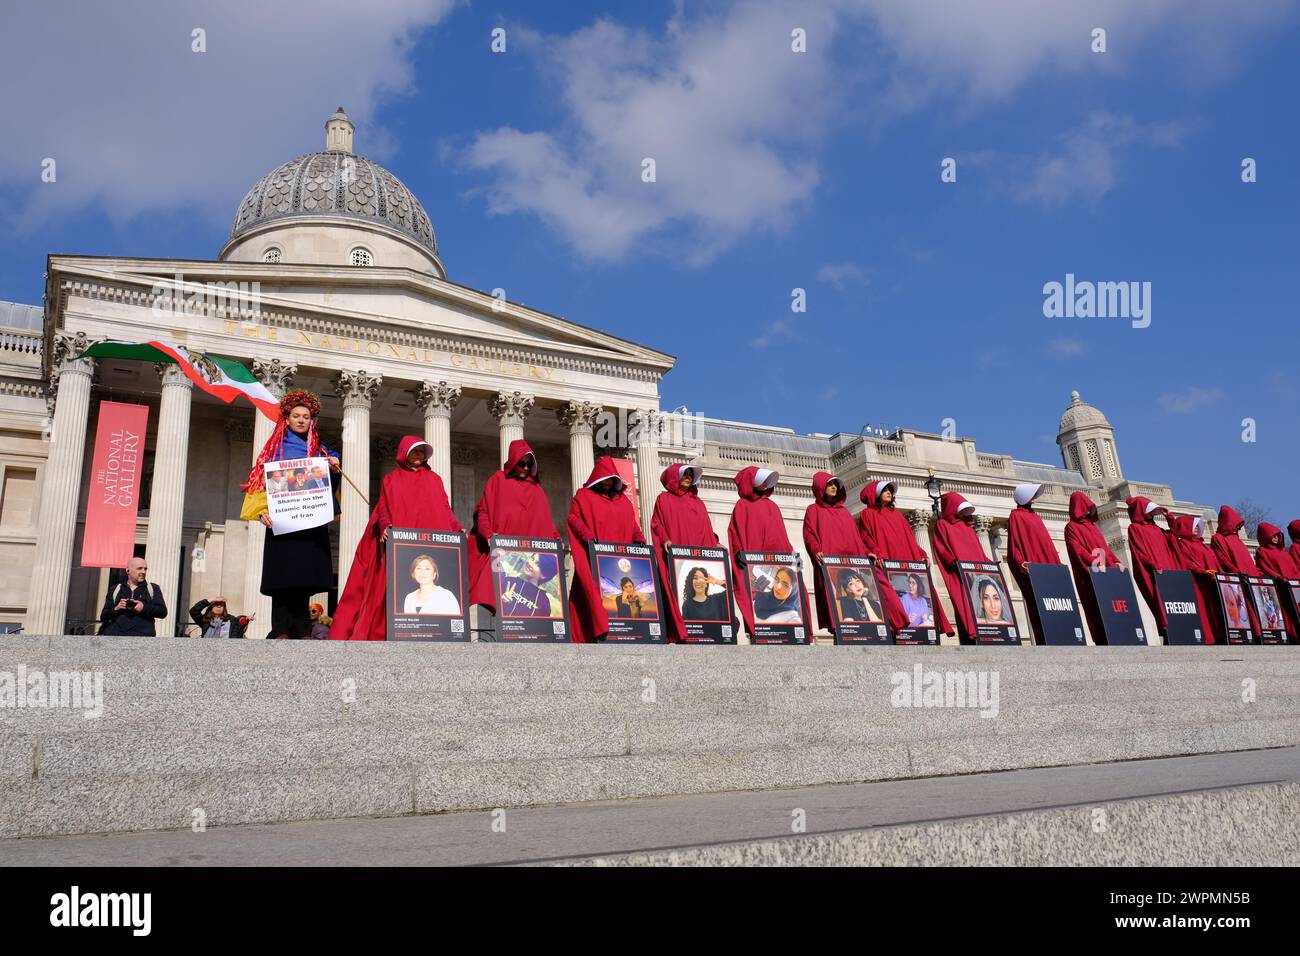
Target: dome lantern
(1087, 443)
(338, 133)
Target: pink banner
(114, 485)
(626, 472)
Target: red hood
(1082, 508)
(1229, 521)
(518, 449)
(605, 468)
(1137, 510)
(745, 479)
(1181, 525)
(870, 494)
(950, 503)
(819, 483)
(672, 476)
(1265, 534)
(407, 443)
(1294, 529)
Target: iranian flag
(225, 378)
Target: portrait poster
(1268, 609)
(1290, 591)
(703, 591)
(986, 590)
(1177, 592)
(427, 598)
(528, 582)
(1120, 618)
(625, 573)
(1232, 601)
(776, 591)
(853, 595)
(299, 494)
(912, 583)
(1051, 589)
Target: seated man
(132, 607)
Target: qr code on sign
(457, 626)
(798, 633)
(559, 628)
(726, 630)
(654, 630)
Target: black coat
(196, 615)
(128, 622)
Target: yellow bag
(254, 506)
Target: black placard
(1290, 590)
(1117, 601)
(1177, 592)
(990, 602)
(625, 574)
(853, 592)
(1051, 590)
(711, 621)
(906, 577)
(426, 599)
(775, 587)
(1268, 609)
(1232, 601)
(528, 581)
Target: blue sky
(775, 171)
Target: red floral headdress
(271, 450)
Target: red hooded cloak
(756, 525)
(408, 498)
(1275, 561)
(1085, 543)
(887, 534)
(597, 517)
(955, 540)
(679, 518)
(1149, 545)
(1294, 530)
(1234, 557)
(509, 506)
(1194, 556)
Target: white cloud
(1190, 399)
(138, 122)
(779, 331)
(841, 274)
(1067, 347)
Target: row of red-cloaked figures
(513, 503)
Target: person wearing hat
(320, 623)
(1028, 542)
(1149, 545)
(215, 620)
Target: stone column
(438, 399)
(581, 419)
(511, 411)
(984, 530)
(919, 519)
(357, 389)
(647, 463)
(276, 376)
(167, 497)
(56, 517)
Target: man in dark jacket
(131, 608)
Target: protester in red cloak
(887, 534)
(1149, 545)
(1294, 530)
(1029, 543)
(513, 503)
(1234, 557)
(954, 540)
(413, 496)
(1087, 546)
(829, 528)
(756, 525)
(680, 518)
(1194, 556)
(600, 512)
(1275, 561)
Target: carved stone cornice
(437, 397)
(579, 416)
(274, 374)
(512, 408)
(357, 388)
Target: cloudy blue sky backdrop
(775, 171)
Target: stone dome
(1080, 414)
(335, 184)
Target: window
(272, 254)
(362, 257)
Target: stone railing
(20, 342)
(999, 463)
(750, 456)
(895, 450)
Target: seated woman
(428, 597)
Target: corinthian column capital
(579, 416)
(918, 519)
(357, 388)
(275, 374)
(513, 406)
(437, 396)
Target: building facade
(331, 281)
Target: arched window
(272, 254)
(362, 257)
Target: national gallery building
(331, 281)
